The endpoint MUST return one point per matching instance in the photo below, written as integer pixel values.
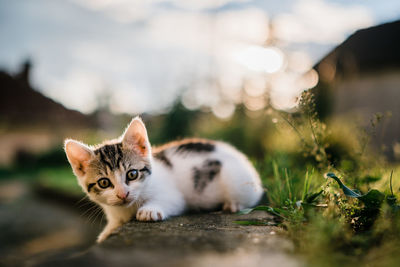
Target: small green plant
(363, 213)
(290, 195)
(351, 225)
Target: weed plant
(329, 223)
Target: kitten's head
(114, 172)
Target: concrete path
(191, 240)
(41, 232)
(34, 229)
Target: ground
(38, 232)
(190, 240)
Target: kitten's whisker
(101, 219)
(98, 213)
(94, 217)
(92, 214)
(80, 200)
(84, 205)
(91, 209)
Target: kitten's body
(191, 174)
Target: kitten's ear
(135, 137)
(78, 156)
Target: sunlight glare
(261, 59)
(223, 110)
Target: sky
(139, 56)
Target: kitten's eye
(132, 175)
(104, 182)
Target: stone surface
(39, 231)
(34, 229)
(192, 240)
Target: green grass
(56, 178)
(350, 216)
(330, 223)
(335, 199)
(59, 179)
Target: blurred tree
(246, 133)
(178, 123)
(24, 75)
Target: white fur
(238, 183)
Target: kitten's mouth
(124, 203)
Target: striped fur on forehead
(110, 155)
(113, 156)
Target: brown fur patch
(205, 174)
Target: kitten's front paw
(103, 236)
(107, 231)
(150, 214)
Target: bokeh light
(261, 59)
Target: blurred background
(232, 70)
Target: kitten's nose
(122, 195)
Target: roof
(21, 105)
(367, 50)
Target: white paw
(232, 207)
(150, 214)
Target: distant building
(361, 77)
(32, 122)
(23, 106)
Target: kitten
(126, 178)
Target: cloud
(321, 21)
(127, 11)
(123, 11)
(204, 32)
(143, 68)
(204, 4)
(143, 54)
